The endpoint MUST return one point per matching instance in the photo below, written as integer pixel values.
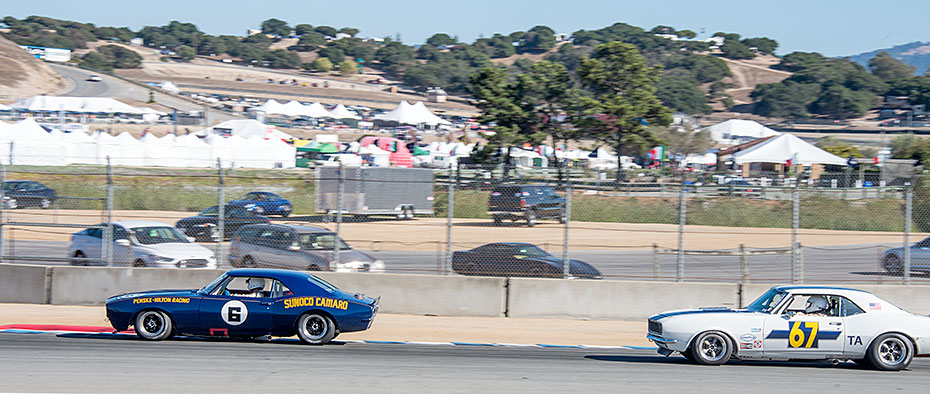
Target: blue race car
(264, 203)
(246, 303)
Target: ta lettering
(854, 340)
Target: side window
(240, 287)
(279, 290)
(120, 233)
(849, 308)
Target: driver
(816, 306)
(255, 285)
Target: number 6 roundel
(234, 313)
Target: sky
(831, 27)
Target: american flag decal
(875, 306)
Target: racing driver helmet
(816, 304)
(255, 284)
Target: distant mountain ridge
(916, 54)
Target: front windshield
(158, 235)
(531, 251)
(213, 284)
(211, 212)
(767, 302)
(320, 241)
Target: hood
(575, 267)
(175, 250)
(698, 311)
(153, 293)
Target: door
(796, 334)
(920, 254)
(282, 256)
(234, 311)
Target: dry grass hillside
(22, 75)
(749, 73)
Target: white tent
(341, 112)
(269, 107)
(31, 144)
(75, 104)
(705, 159)
(245, 128)
(6, 108)
(787, 147)
(316, 110)
(415, 114)
(737, 131)
(169, 87)
(379, 157)
(123, 150)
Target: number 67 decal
(803, 334)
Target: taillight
(522, 203)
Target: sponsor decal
(170, 300)
(875, 306)
(234, 313)
(755, 329)
(757, 344)
(316, 301)
(854, 340)
(802, 334)
(745, 345)
(747, 338)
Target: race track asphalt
(46, 363)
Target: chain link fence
(468, 220)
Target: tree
(348, 67)
(682, 92)
(276, 27)
(838, 147)
(888, 68)
(211, 46)
(95, 61)
(322, 64)
(762, 44)
(302, 29)
(623, 100)
(335, 55)
(683, 141)
(326, 31)
(185, 53)
(440, 39)
(310, 41)
(788, 99)
(395, 56)
(539, 39)
(736, 50)
(841, 102)
(280, 58)
(119, 57)
(552, 89)
(686, 34)
(348, 30)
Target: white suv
(140, 243)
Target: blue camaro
(246, 303)
(264, 203)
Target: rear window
(507, 192)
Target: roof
(296, 227)
(801, 288)
(276, 273)
(140, 223)
(787, 147)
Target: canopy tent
(169, 87)
(400, 156)
(97, 105)
(5, 108)
(341, 112)
(737, 131)
(377, 156)
(31, 145)
(245, 128)
(704, 159)
(123, 150)
(787, 147)
(293, 109)
(319, 147)
(316, 110)
(269, 107)
(415, 114)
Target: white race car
(797, 322)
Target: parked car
(21, 194)
(795, 323)
(246, 303)
(517, 259)
(94, 78)
(264, 203)
(524, 202)
(203, 227)
(739, 187)
(142, 243)
(893, 259)
(296, 247)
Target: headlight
(377, 265)
(158, 258)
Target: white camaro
(797, 322)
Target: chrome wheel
(153, 325)
(315, 329)
(711, 348)
(891, 352)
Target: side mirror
(191, 239)
(788, 314)
(122, 242)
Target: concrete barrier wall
(915, 299)
(92, 285)
(428, 294)
(608, 299)
(23, 284)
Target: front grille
(192, 263)
(655, 327)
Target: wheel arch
(909, 337)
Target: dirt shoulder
(392, 327)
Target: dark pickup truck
(525, 202)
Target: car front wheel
(315, 329)
(891, 352)
(711, 348)
(893, 265)
(530, 218)
(153, 325)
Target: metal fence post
(2, 205)
(221, 213)
(340, 196)
(655, 261)
(743, 264)
(682, 217)
(450, 194)
(567, 214)
(795, 224)
(908, 213)
(108, 230)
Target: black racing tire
(563, 217)
(408, 214)
(138, 263)
(893, 265)
(687, 355)
(530, 218)
(153, 325)
(315, 328)
(498, 219)
(711, 348)
(890, 352)
(286, 212)
(248, 262)
(79, 254)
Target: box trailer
(401, 192)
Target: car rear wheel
(248, 262)
(138, 263)
(78, 255)
(711, 348)
(11, 204)
(153, 325)
(286, 211)
(530, 218)
(45, 203)
(891, 352)
(893, 265)
(498, 219)
(315, 329)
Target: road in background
(45, 363)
